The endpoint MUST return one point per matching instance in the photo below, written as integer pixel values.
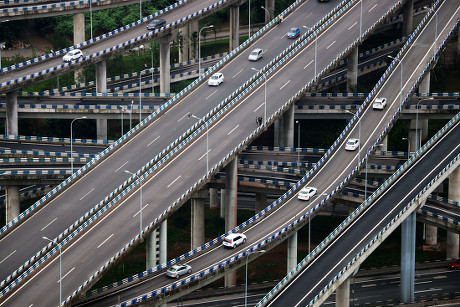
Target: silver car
(179, 269)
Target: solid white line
(435, 277)
(423, 282)
(104, 241)
(259, 107)
(237, 73)
(211, 94)
(435, 289)
(87, 194)
(8, 256)
(308, 64)
(233, 129)
(140, 210)
(331, 45)
(153, 141)
(47, 224)
(204, 155)
(186, 115)
(285, 84)
(121, 166)
(368, 285)
(67, 273)
(352, 25)
(173, 181)
(307, 16)
(372, 8)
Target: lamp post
(140, 96)
(130, 115)
(71, 141)
(419, 141)
(246, 287)
(268, 13)
(298, 144)
(400, 92)
(140, 202)
(316, 45)
(122, 109)
(199, 47)
(60, 270)
(359, 133)
(408, 144)
(190, 115)
(265, 95)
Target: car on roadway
(293, 33)
(255, 54)
(307, 193)
(234, 239)
(379, 103)
(352, 144)
(156, 24)
(72, 55)
(455, 265)
(179, 269)
(216, 79)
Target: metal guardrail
(50, 139)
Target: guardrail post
(454, 194)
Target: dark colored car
(156, 23)
(455, 265)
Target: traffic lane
(343, 249)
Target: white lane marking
(31, 305)
(285, 84)
(423, 282)
(8, 256)
(368, 285)
(259, 107)
(121, 166)
(435, 277)
(233, 129)
(237, 73)
(186, 115)
(105, 241)
(204, 155)
(331, 45)
(434, 289)
(211, 94)
(47, 224)
(308, 64)
(352, 25)
(140, 210)
(87, 194)
(372, 8)
(67, 273)
(173, 181)
(153, 141)
(307, 16)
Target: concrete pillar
(424, 86)
(213, 199)
(12, 113)
(414, 143)
(165, 64)
(277, 128)
(152, 249)
(408, 17)
(458, 49)
(384, 143)
(79, 37)
(408, 258)
(454, 194)
(101, 124)
(292, 252)
(288, 128)
(234, 26)
(164, 241)
(193, 34)
(183, 52)
(342, 294)
(12, 202)
(231, 208)
(431, 234)
(101, 77)
(352, 71)
(270, 6)
(198, 218)
(261, 202)
(222, 203)
(423, 124)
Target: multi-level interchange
(125, 194)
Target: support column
(261, 202)
(288, 128)
(198, 218)
(384, 143)
(292, 252)
(79, 37)
(454, 194)
(213, 199)
(165, 64)
(164, 241)
(424, 86)
(408, 17)
(231, 208)
(152, 249)
(183, 52)
(342, 294)
(101, 124)
(12, 202)
(277, 128)
(408, 258)
(352, 71)
(270, 6)
(431, 234)
(222, 203)
(193, 34)
(234, 26)
(12, 113)
(101, 77)
(414, 143)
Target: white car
(178, 269)
(234, 239)
(73, 55)
(379, 103)
(352, 144)
(216, 79)
(307, 193)
(255, 54)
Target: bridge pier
(213, 199)
(101, 124)
(101, 76)
(408, 17)
(352, 71)
(231, 173)
(197, 208)
(342, 294)
(424, 86)
(165, 64)
(193, 31)
(408, 228)
(292, 252)
(183, 52)
(79, 37)
(156, 246)
(270, 6)
(261, 202)
(284, 129)
(431, 234)
(222, 203)
(234, 26)
(453, 194)
(12, 202)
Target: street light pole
(60, 270)
(207, 143)
(71, 142)
(400, 92)
(417, 145)
(140, 203)
(122, 109)
(268, 13)
(316, 45)
(140, 96)
(265, 94)
(246, 287)
(199, 47)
